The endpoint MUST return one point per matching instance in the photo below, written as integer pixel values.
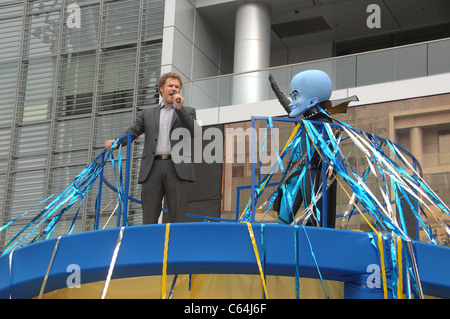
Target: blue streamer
(263, 253)
(315, 261)
(61, 203)
(297, 263)
(320, 139)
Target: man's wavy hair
(165, 76)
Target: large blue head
(308, 88)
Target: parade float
(249, 257)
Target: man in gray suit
(163, 174)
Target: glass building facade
(72, 74)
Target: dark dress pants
(163, 182)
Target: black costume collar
(312, 112)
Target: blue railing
(123, 191)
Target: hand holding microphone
(178, 100)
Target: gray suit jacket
(148, 122)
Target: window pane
(345, 72)
(44, 5)
(33, 138)
(374, 68)
(85, 37)
(118, 79)
(391, 65)
(77, 84)
(10, 38)
(410, 62)
(38, 78)
(154, 19)
(11, 10)
(29, 184)
(43, 34)
(439, 57)
(121, 22)
(72, 134)
(150, 70)
(111, 125)
(8, 78)
(5, 141)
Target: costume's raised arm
(280, 95)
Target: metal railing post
(99, 196)
(253, 159)
(127, 181)
(324, 218)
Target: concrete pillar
(416, 139)
(251, 52)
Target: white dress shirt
(163, 146)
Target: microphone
(177, 100)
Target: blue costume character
(310, 93)
(308, 89)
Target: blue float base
(213, 248)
